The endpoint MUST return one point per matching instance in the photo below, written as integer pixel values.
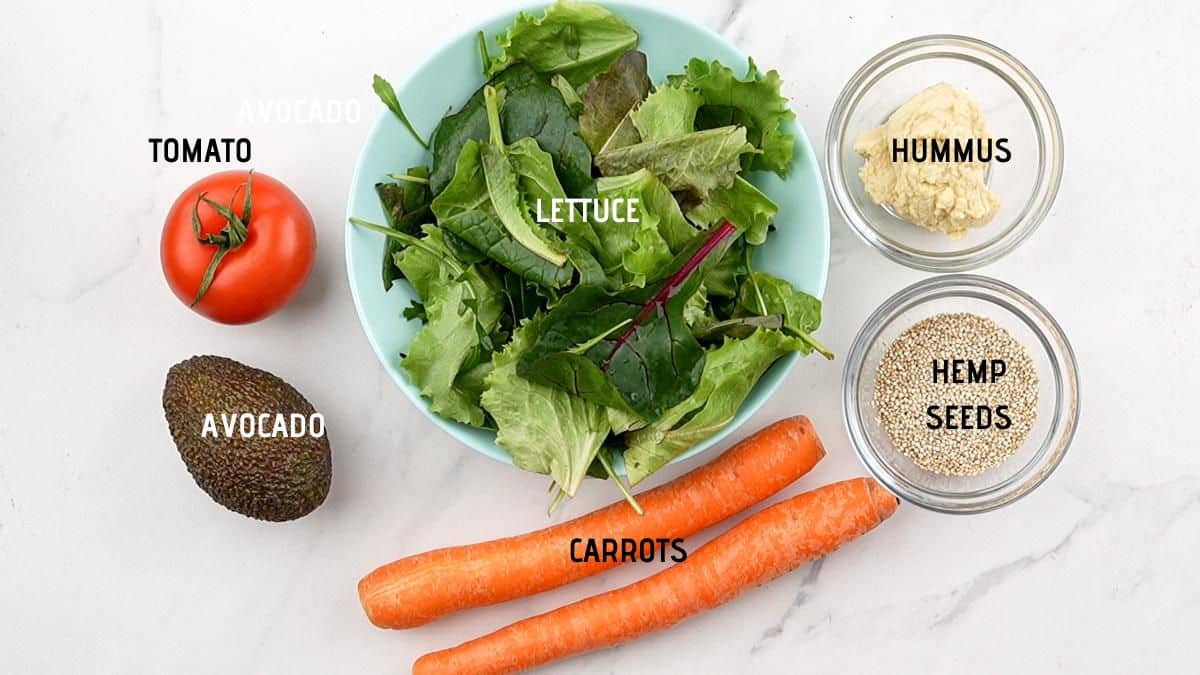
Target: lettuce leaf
(430, 265)
(609, 99)
(462, 308)
(641, 251)
(510, 208)
(698, 162)
(730, 372)
(741, 204)
(669, 111)
(754, 102)
(575, 39)
(539, 182)
(545, 429)
(468, 193)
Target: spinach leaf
(523, 174)
(462, 249)
(754, 102)
(535, 109)
(730, 372)
(484, 178)
(532, 107)
(762, 294)
(577, 39)
(482, 232)
(406, 208)
(628, 350)
(698, 162)
(610, 98)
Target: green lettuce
(545, 429)
(502, 183)
(698, 162)
(643, 250)
(462, 308)
(539, 183)
(754, 102)
(730, 372)
(741, 204)
(429, 265)
(669, 111)
(575, 39)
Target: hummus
(947, 196)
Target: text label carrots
(418, 589)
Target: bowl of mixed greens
(582, 252)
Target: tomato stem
(233, 235)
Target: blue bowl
(797, 251)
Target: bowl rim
(774, 376)
(1066, 387)
(1037, 102)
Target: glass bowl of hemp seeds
(961, 394)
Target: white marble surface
(112, 561)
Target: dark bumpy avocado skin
(273, 479)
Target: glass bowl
(1058, 396)
(1015, 106)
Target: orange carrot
(774, 541)
(418, 589)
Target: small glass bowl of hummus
(944, 213)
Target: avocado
(248, 438)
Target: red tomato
(261, 271)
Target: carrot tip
(885, 502)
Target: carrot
(774, 541)
(418, 589)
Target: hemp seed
(957, 394)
